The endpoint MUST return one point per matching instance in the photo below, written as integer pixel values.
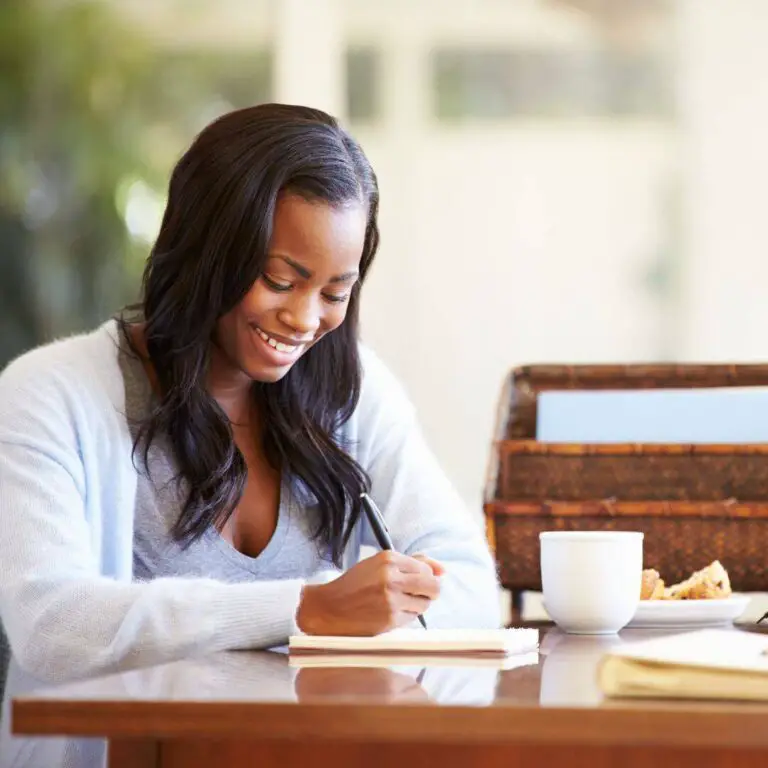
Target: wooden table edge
(654, 725)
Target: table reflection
(562, 674)
(569, 668)
(378, 684)
(22, 752)
(258, 677)
(569, 664)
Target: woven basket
(695, 503)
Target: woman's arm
(64, 605)
(66, 597)
(423, 511)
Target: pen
(380, 530)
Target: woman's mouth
(280, 346)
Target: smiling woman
(187, 477)
(268, 210)
(304, 290)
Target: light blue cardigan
(67, 492)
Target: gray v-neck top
(291, 552)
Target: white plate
(689, 613)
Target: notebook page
(708, 648)
(480, 641)
(383, 659)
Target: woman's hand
(374, 684)
(380, 593)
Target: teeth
(278, 345)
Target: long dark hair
(211, 248)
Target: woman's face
(312, 265)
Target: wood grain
(226, 754)
(133, 753)
(661, 725)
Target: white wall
(517, 246)
(724, 154)
(531, 241)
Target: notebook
(309, 660)
(705, 664)
(430, 642)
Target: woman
(187, 478)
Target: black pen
(380, 530)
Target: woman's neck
(230, 389)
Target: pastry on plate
(652, 586)
(710, 583)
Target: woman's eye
(335, 299)
(276, 285)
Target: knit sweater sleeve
(423, 511)
(65, 615)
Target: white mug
(591, 580)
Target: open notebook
(706, 664)
(429, 642)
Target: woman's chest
(252, 525)
(270, 536)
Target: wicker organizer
(695, 503)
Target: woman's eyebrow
(302, 271)
(307, 274)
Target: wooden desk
(254, 709)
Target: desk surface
(551, 699)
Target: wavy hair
(211, 248)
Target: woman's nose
(302, 314)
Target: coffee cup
(591, 580)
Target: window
(363, 84)
(505, 83)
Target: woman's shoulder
(378, 378)
(77, 368)
(384, 400)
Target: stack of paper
(382, 660)
(707, 664)
(477, 643)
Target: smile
(287, 349)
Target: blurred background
(562, 180)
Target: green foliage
(73, 94)
(88, 107)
